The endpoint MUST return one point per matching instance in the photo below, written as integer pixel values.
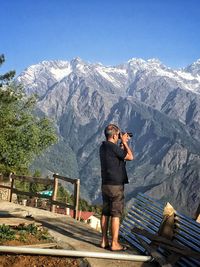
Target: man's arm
(129, 155)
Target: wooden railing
(46, 181)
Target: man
(114, 176)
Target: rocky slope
(161, 106)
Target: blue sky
(106, 31)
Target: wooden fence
(46, 181)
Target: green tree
(7, 77)
(36, 187)
(63, 194)
(23, 135)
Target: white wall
(95, 223)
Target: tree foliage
(23, 135)
(7, 77)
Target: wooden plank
(167, 244)
(30, 179)
(4, 186)
(152, 250)
(11, 189)
(62, 204)
(70, 180)
(76, 198)
(18, 192)
(54, 202)
(54, 195)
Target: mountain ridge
(161, 106)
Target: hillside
(160, 105)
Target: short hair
(110, 130)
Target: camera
(129, 134)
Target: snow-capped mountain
(160, 105)
(194, 69)
(119, 76)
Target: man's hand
(124, 137)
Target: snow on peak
(98, 64)
(78, 65)
(197, 62)
(49, 72)
(139, 63)
(194, 68)
(60, 73)
(57, 69)
(154, 61)
(142, 61)
(136, 61)
(78, 59)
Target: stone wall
(4, 193)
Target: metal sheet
(133, 222)
(187, 236)
(127, 230)
(149, 205)
(192, 226)
(149, 211)
(132, 239)
(141, 219)
(187, 243)
(187, 230)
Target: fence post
(55, 189)
(11, 187)
(67, 209)
(76, 198)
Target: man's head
(112, 133)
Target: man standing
(114, 176)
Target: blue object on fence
(46, 193)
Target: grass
(24, 233)
(6, 233)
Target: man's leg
(117, 211)
(115, 223)
(104, 230)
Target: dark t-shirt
(113, 169)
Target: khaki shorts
(113, 200)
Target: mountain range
(160, 105)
